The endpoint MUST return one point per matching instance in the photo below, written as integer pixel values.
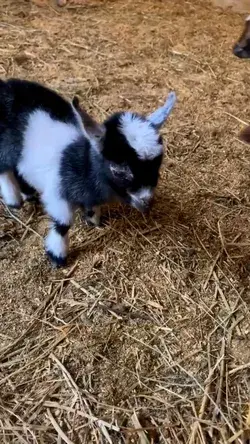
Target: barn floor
(144, 338)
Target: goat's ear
(245, 135)
(93, 128)
(158, 117)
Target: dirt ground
(144, 337)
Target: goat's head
(133, 149)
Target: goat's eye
(122, 174)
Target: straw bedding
(144, 338)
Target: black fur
(24, 186)
(18, 98)
(90, 213)
(56, 261)
(117, 150)
(61, 228)
(86, 179)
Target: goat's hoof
(56, 261)
(15, 206)
(32, 198)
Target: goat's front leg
(93, 216)
(57, 242)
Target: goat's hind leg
(10, 189)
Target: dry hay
(145, 337)
(236, 5)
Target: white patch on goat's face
(140, 135)
(45, 140)
(141, 198)
(248, 18)
(56, 244)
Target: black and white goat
(51, 146)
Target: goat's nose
(142, 205)
(238, 51)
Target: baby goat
(53, 147)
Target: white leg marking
(10, 189)
(57, 244)
(57, 208)
(60, 211)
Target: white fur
(142, 196)
(140, 135)
(10, 189)
(58, 208)
(45, 140)
(248, 18)
(56, 244)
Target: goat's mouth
(142, 200)
(142, 207)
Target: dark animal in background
(53, 147)
(242, 48)
(245, 135)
